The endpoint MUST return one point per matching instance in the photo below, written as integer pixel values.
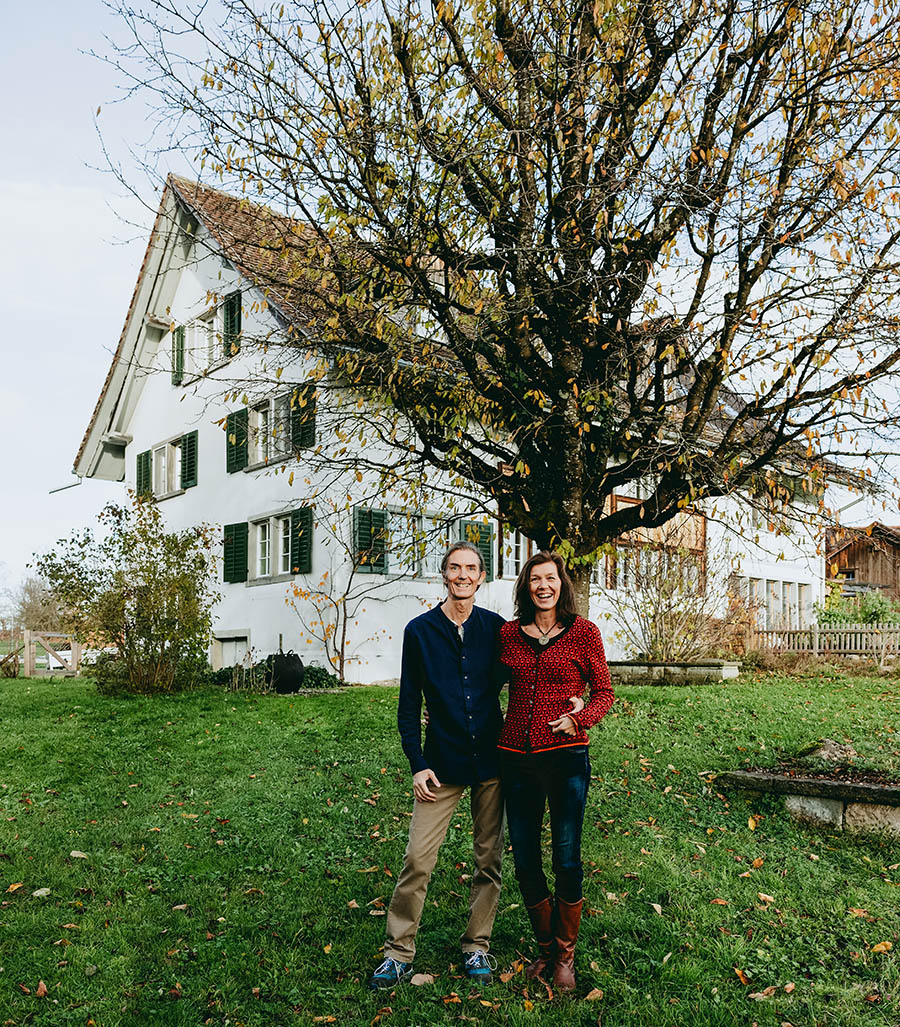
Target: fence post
(815, 638)
(28, 656)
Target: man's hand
(421, 780)
(564, 724)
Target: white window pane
(160, 471)
(436, 542)
(285, 535)
(281, 427)
(262, 536)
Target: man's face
(463, 574)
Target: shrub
(319, 677)
(872, 607)
(142, 591)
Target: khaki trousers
(427, 830)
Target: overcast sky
(68, 263)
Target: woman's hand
(564, 725)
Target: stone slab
(638, 672)
(816, 812)
(870, 818)
(788, 784)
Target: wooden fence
(879, 641)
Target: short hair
(462, 545)
(566, 611)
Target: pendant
(544, 639)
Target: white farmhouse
(209, 408)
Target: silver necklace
(544, 638)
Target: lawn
(226, 858)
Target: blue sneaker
(389, 973)
(478, 966)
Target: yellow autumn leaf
(751, 823)
(883, 946)
(529, 1005)
(327, 948)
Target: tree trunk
(581, 579)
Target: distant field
(221, 858)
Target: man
(450, 660)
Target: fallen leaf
(757, 863)
(742, 977)
(529, 1005)
(24, 989)
(41, 893)
(656, 907)
(666, 958)
(419, 979)
(746, 873)
(765, 993)
(883, 946)
(324, 1019)
(594, 995)
(451, 998)
(718, 902)
(751, 823)
(70, 927)
(181, 905)
(16, 886)
(327, 948)
(41, 990)
(789, 987)
(368, 870)
(353, 904)
(764, 898)
(78, 854)
(855, 911)
(485, 1002)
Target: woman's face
(544, 586)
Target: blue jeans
(532, 781)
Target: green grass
(240, 848)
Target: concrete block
(872, 818)
(816, 812)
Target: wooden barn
(865, 558)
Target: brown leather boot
(542, 922)
(568, 920)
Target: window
(206, 341)
(514, 552)
(273, 546)
(270, 429)
(168, 467)
(435, 543)
(279, 544)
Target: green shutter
(234, 567)
(143, 482)
(303, 417)
(482, 535)
(370, 539)
(236, 440)
(231, 325)
(178, 355)
(301, 540)
(189, 460)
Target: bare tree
(37, 608)
(652, 242)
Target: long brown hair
(565, 605)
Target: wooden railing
(875, 640)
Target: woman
(549, 654)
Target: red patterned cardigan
(541, 684)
